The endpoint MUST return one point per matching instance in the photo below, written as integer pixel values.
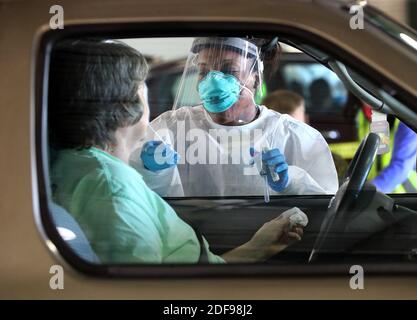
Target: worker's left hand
(275, 160)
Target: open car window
(204, 184)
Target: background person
(287, 102)
(394, 171)
(401, 171)
(320, 94)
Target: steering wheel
(344, 204)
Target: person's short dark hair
(93, 91)
(283, 101)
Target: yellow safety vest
(261, 93)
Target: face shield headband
(220, 69)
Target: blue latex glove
(157, 157)
(275, 161)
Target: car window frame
(40, 171)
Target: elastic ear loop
(265, 48)
(261, 56)
(257, 61)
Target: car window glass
(323, 90)
(194, 189)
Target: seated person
(97, 116)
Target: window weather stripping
(341, 71)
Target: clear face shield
(222, 75)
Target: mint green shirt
(124, 220)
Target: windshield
(403, 34)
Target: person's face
(233, 63)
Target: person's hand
(158, 156)
(274, 161)
(273, 237)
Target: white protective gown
(215, 159)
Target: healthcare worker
(401, 171)
(226, 144)
(97, 114)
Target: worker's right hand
(157, 156)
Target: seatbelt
(203, 249)
(203, 259)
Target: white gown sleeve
(318, 175)
(311, 167)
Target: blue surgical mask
(218, 91)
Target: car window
(201, 183)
